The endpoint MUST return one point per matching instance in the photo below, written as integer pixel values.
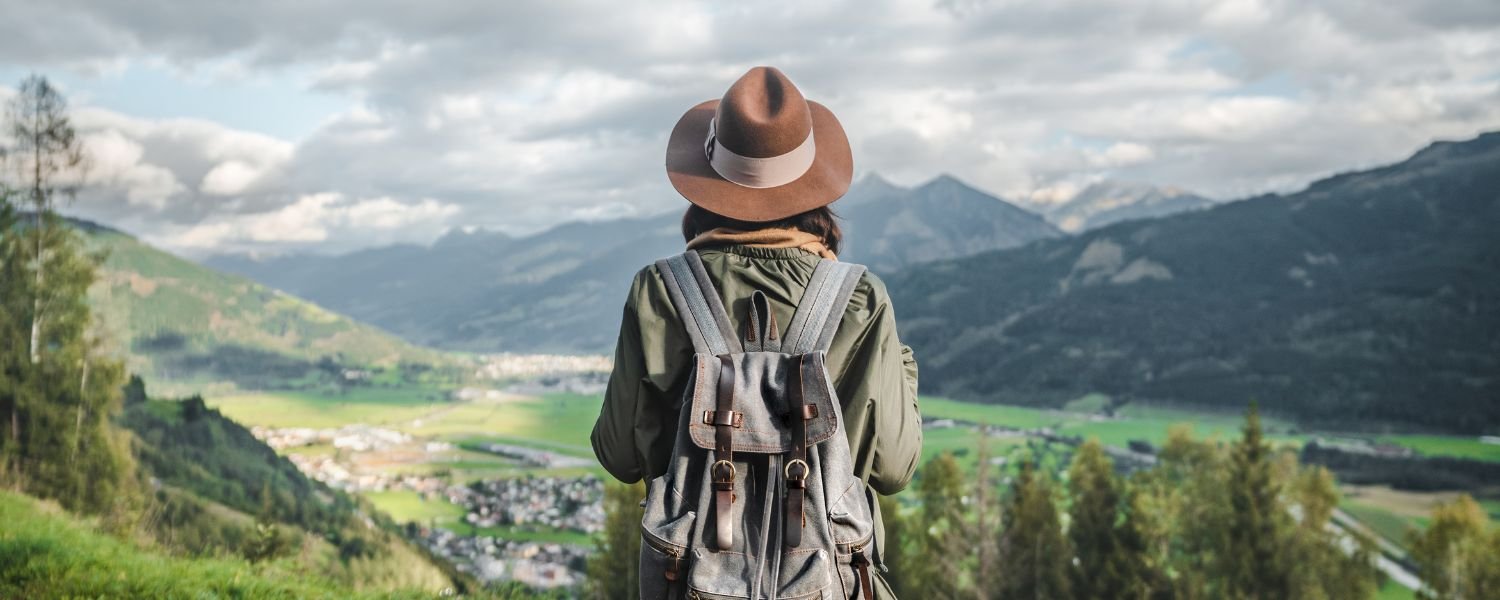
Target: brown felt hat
(761, 153)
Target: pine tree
(1251, 564)
(614, 569)
(1109, 556)
(1034, 554)
(1459, 554)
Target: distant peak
(876, 182)
(946, 181)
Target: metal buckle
(715, 471)
(787, 470)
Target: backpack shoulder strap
(698, 304)
(822, 307)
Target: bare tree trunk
(39, 199)
(83, 386)
(981, 505)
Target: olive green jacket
(874, 374)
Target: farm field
(557, 422)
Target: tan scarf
(763, 238)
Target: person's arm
(633, 436)
(614, 432)
(878, 385)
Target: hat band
(758, 173)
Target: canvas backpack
(760, 500)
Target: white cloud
(229, 178)
(115, 161)
(311, 219)
(522, 116)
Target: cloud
(312, 219)
(522, 116)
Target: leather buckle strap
(797, 469)
(723, 471)
(862, 566)
(721, 418)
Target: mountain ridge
(1369, 296)
(560, 290)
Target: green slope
(45, 553)
(176, 321)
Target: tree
(1252, 563)
(1034, 555)
(1457, 554)
(47, 150)
(940, 536)
(1110, 556)
(614, 569)
(267, 542)
(59, 394)
(1321, 565)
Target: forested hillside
(1371, 297)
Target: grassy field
(1447, 445)
(1133, 422)
(558, 422)
(394, 408)
(1001, 415)
(45, 553)
(407, 506)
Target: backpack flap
(761, 396)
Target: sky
(288, 126)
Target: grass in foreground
(45, 553)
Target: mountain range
(561, 290)
(1368, 297)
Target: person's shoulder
(869, 293)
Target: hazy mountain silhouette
(561, 290)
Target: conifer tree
(1252, 564)
(614, 569)
(1034, 554)
(1109, 556)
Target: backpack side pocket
(664, 562)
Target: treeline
(1209, 520)
(1429, 473)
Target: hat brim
(826, 180)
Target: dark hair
(819, 221)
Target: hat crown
(763, 115)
